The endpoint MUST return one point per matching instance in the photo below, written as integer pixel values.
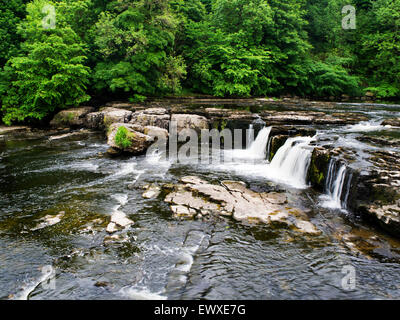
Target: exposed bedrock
(74, 117)
(317, 172)
(195, 198)
(395, 122)
(372, 192)
(378, 191)
(310, 117)
(156, 117)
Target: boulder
(74, 117)
(190, 121)
(155, 117)
(95, 120)
(136, 142)
(152, 191)
(104, 118)
(114, 115)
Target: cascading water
(258, 149)
(291, 162)
(250, 135)
(336, 189)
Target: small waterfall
(258, 149)
(250, 135)
(291, 161)
(336, 189)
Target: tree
(11, 13)
(49, 73)
(380, 48)
(247, 47)
(135, 41)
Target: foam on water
(30, 287)
(141, 294)
(366, 126)
(257, 148)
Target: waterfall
(336, 189)
(258, 149)
(291, 162)
(250, 135)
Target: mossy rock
(318, 168)
(74, 117)
(276, 143)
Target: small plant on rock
(122, 138)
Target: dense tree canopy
(237, 48)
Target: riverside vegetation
(314, 191)
(241, 48)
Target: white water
(291, 162)
(141, 294)
(48, 274)
(366, 126)
(257, 149)
(250, 135)
(335, 187)
(289, 166)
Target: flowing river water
(160, 257)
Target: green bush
(122, 138)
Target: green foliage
(122, 138)
(11, 14)
(135, 40)
(245, 48)
(49, 73)
(327, 79)
(142, 48)
(380, 47)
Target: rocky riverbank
(372, 190)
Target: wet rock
(13, 129)
(120, 219)
(121, 105)
(101, 284)
(380, 141)
(310, 117)
(152, 191)
(138, 142)
(275, 144)
(111, 227)
(395, 122)
(318, 168)
(190, 121)
(378, 191)
(48, 221)
(74, 117)
(196, 197)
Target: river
(160, 257)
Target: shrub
(122, 138)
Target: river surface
(160, 257)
